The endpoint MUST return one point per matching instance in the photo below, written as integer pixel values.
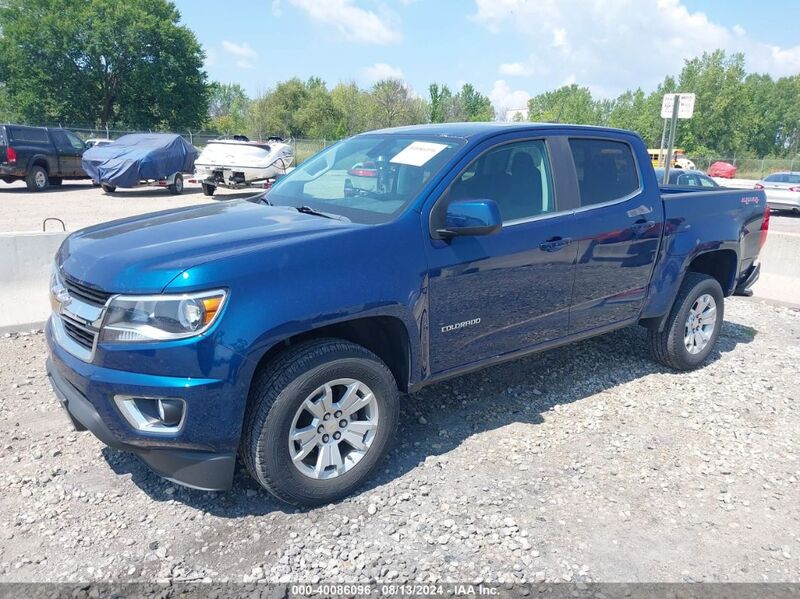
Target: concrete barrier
(780, 268)
(25, 263)
(26, 260)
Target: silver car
(783, 190)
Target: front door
(492, 295)
(70, 150)
(618, 227)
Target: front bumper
(201, 456)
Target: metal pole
(676, 102)
(661, 147)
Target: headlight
(131, 318)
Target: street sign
(685, 105)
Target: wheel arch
(720, 264)
(385, 336)
(39, 160)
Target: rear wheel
(108, 188)
(693, 325)
(321, 416)
(176, 187)
(37, 179)
(208, 190)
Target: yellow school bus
(655, 154)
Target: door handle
(554, 244)
(640, 227)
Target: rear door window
(29, 134)
(606, 170)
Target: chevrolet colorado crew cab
(284, 328)
(40, 156)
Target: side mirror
(471, 217)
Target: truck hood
(143, 254)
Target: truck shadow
(439, 418)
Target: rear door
(618, 226)
(492, 295)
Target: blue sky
(509, 49)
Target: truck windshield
(368, 178)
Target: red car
(364, 169)
(722, 169)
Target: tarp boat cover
(139, 157)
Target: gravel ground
(585, 463)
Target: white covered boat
(237, 163)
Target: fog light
(152, 414)
(170, 411)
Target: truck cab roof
(473, 131)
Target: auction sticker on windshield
(418, 153)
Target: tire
(176, 188)
(108, 188)
(277, 396)
(669, 347)
(57, 181)
(37, 179)
(208, 190)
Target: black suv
(40, 156)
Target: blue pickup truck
(284, 328)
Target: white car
(237, 163)
(782, 189)
(98, 141)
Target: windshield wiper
(310, 210)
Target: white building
(517, 114)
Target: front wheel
(208, 190)
(176, 187)
(320, 418)
(693, 324)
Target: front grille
(79, 333)
(90, 295)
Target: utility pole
(674, 125)
(661, 147)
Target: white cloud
(350, 21)
(381, 70)
(240, 50)
(517, 69)
(243, 53)
(277, 9)
(504, 98)
(618, 44)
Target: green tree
(274, 113)
(102, 61)
(352, 105)
(318, 116)
(721, 109)
(567, 104)
(227, 108)
(475, 106)
(391, 103)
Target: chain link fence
(751, 168)
(303, 148)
